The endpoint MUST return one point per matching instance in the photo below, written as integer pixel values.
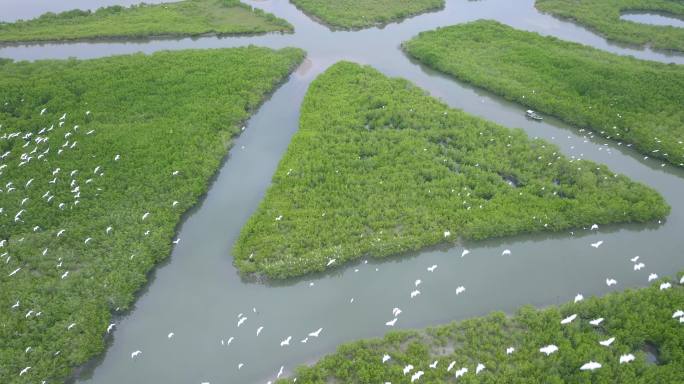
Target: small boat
(533, 115)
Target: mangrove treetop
(637, 103)
(355, 14)
(99, 160)
(183, 18)
(379, 168)
(603, 16)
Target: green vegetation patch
(378, 167)
(639, 321)
(603, 16)
(637, 103)
(184, 18)
(94, 187)
(354, 14)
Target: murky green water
(198, 295)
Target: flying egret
(634, 259)
(15, 271)
(594, 227)
(407, 369)
(549, 349)
(280, 372)
(579, 298)
(597, 244)
(626, 358)
(65, 275)
(330, 262)
(240, 365)
(638, 267)
(144, 216)
(610, 282)
(510, 350)
(664, 286)
(391, 322)
(286, 341)
(415, 293)
(447, 234)
(416, 376)
(110, 327)
(136, 354)
(170, 335)
(465, 252)
(506, 252)
(241, 321)
(261, 328)
(417, 283)
(460, 290)
(461, 372)
(385, 358)
(681, 280)
(396, 311)
(24, 371)
(652, 277)
(432, 268)
(678, 313)
(596, 322)
(71, 326)
(569, 319)
(451, 366)
(316, 333)
(607, 342)
(590, 366)
(433, 365)
(480, 367)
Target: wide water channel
(197, 293)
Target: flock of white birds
(37, 147)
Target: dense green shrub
(636, 318)
(637, 103)
(163, 113)
(183, 18)
(603, 16)
(378, 168)
(354, 14)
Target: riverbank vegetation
(378, 168)
(641, 321)
(634, 102)
(355, 14)
(99, 159)
(184, 18)
(603, 16)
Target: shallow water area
(198, 295)
(653, 19)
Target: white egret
(330, 262)
(597, 244)
(579, 298)
(594, 227)
(626, 358)
(638, 267)
(391, 322)
(451, 366)
(461, 372)
(261, 328)
(652, 277)
(71, 326)
(433, 365)
(432, 268)
(241, 321)
(385, 358)
(15, 271)
(506, 252)
(110, 327)
(590, 366)
(664, 286)
(24, 371)
(240, 365)
(460, 290)
(407, 369)
(596, 322)
(316, 333)
(465, 252)
(280, 372)
(447, 234)
(510, 350)
(610, 282)
(634, 259)
(607, 342)
(569, 319)
(678, 313)
(396, 311)
(416, 376)
(145, 215)
(170, 335)
(136, 354)
(417, 282)
(415, 293)
(549, 349)
(286, 341)
(480, 367)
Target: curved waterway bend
(198, 295)
(652, 18)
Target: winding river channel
(197, 293)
